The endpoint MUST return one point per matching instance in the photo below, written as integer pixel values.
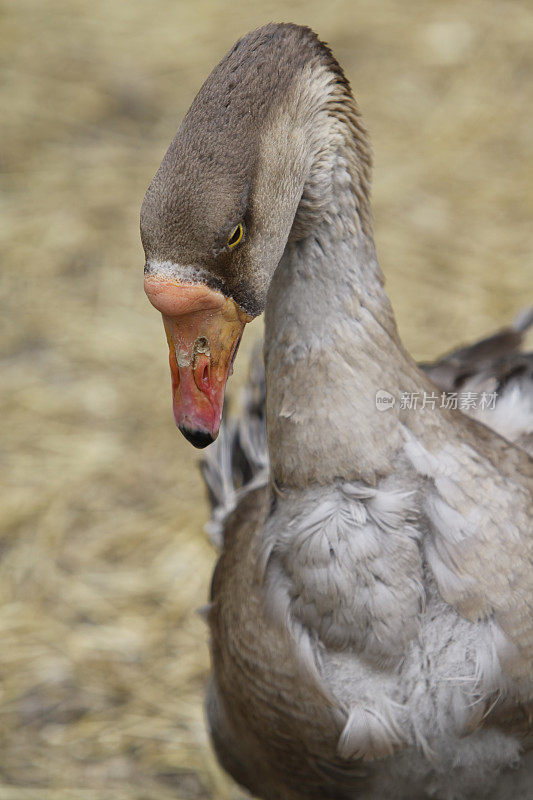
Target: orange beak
(203, 329)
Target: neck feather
(331, 340)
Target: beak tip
(199, 439)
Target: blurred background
(103, 661)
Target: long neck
(331, 340)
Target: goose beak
(203, 329)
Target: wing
(490, 355)
(495, 366)
(477, 499)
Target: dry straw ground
(103, 559)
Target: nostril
(202, 373)
(201, 345)
(205, 373)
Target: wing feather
(480, 543)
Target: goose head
(217, 216)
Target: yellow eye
(235, 236)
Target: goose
(370, 612)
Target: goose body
(371, 611)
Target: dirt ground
(103, 661)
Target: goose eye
(235, 236)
